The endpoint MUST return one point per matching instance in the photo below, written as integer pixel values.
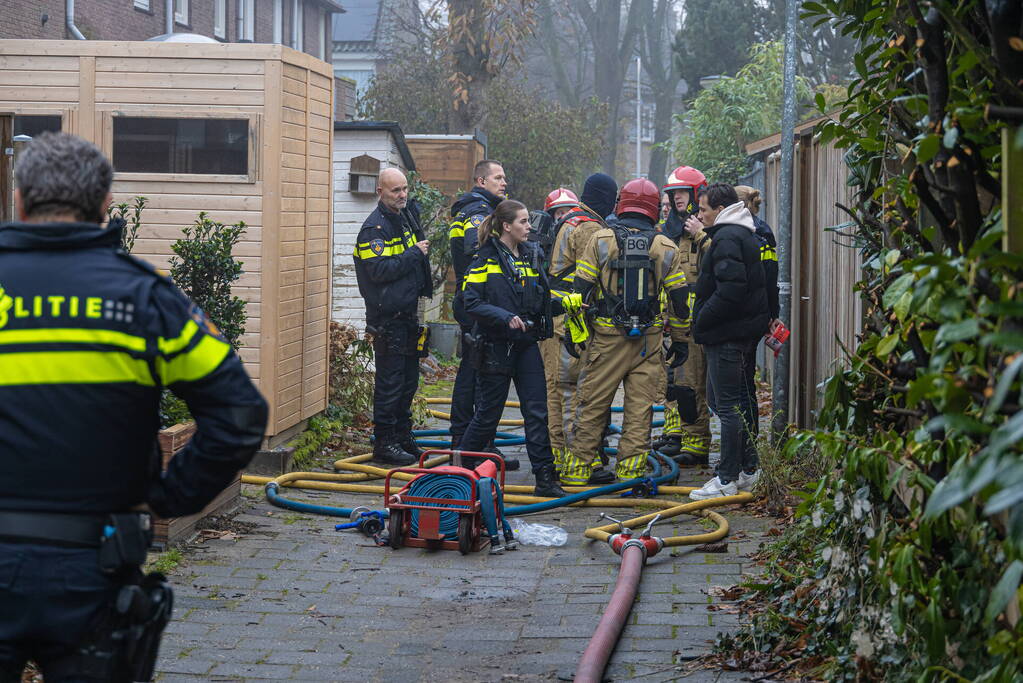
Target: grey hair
(61, 173)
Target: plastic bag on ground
(529, 533)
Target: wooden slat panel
(293, 87)
(173, 81)
(184, 96)
(11, 78)
(171, 65)
(39, 93)
(37, 63)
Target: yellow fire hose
(358, 472)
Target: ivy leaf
(927, 148)
(887, 345)
(953, 332)
(1007, 435)
(1004, 384)
(1004, 591)
(951, 137)
(819, 101)
(901, 308)
(897, 288)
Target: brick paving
(295, 600)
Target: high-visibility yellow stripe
(72, 367)
(586, 268)
(457, 229)
(169, 346)
(60, 335)
(768, 253)
(677, 278)
(194, 364)
(393, 250)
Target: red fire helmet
(685, 178)
(560, 198)
(640, 196)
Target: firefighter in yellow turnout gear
(688, 443)
(574, 225)
(621, 274)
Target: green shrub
(204, 267)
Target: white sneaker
(714, 489)
(746, 481)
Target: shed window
(33, 125)
(165, 145)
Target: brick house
(304, 25)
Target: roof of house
(390, 126)
(357, 27)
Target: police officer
(88, 338)
(688, 443)
(393, 271)
(621, 273)
(509, 300)
(575, 225)
(467, 214)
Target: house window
(278, 21)
(142, 4)
(181, 12)
(168, 145)
(220, 19)
(246, 21)
(34, 124)
(321, 29)
(297, 24)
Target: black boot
(601, 477)
(510, 464)
(671, 446)
(393, 454)
(547, 483)
(409, 445)
(691, 460)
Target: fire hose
(634, 551)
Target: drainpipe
(168, 24)
(69, 20)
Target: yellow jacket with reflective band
(88, 338)
(570, 242)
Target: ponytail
(750, 196)
(493, 225)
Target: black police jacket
(391, 271)
(499, 286)
(88, 337)
(731, 292)
(467, 214)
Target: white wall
(350, 211)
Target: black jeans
(729, 373)
(463, 394)
(491, 393)
(396, 381)
(48, 597)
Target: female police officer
(507, 295)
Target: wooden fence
(826, 312)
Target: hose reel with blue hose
(446, 486)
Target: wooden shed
(361, 149)
(447, 161)
(826, 311)
(241, 131)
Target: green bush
(204, 267)
(132, 220)
(905, 564)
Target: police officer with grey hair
(89, 336)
